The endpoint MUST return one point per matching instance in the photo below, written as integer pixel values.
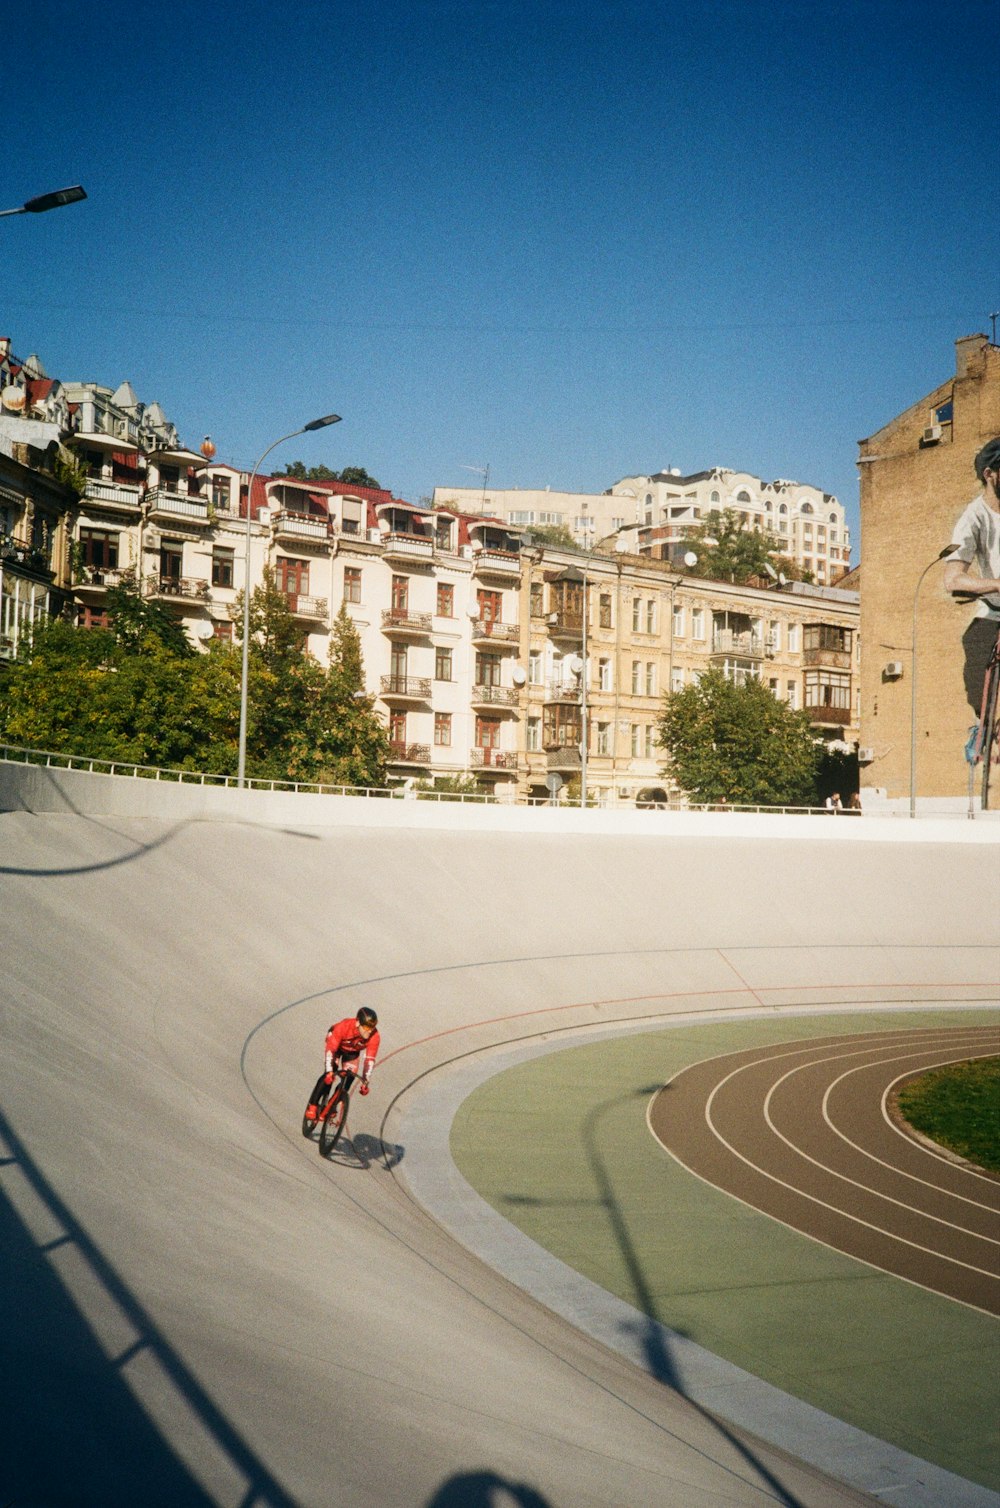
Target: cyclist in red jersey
(352, 1044)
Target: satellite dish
(518, 675)
(690, 559)
(13, 399)
(575, 664)
(203, 631)
(621, 544)
(473, 610)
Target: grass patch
(958, 1107)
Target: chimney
(967, 350)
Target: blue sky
(570, 241)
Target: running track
(802, 1131)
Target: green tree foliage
(137, 692)
(351, 476)
(739, 744)
(553, 534)
(728, 549)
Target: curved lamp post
(948, 550)
(55, 200)
(244, 679)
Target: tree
(728, 549)
(351, 476)
(553, 534)
(739, 744)
(143, 626)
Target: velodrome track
(198, 1309)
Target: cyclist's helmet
(989, 457)
(367, 1017)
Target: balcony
(492, 759)
(829, 659)
(749, 646)
(564, 760)
(114, 495)
(166, 505)
(500, 635)
(830, 717)
(409, 754)
(176, 588)
(406, 688)
(401, 623)
(302, 530)
(566, 624)
(95, 580)
(504, 697)
(408, 547)
(500, 564)
(316, 609)
(563, 692)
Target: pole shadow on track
(72, 1429)
(651, 1331)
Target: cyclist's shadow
(362, 1151)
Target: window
(697, 623)
(94, 617)
(677, 680)
(604, 738)
(487, 733)
(490, 604)
(352, 584)
(636, 676)
(442, 664)
(534, 735)
(561, 728)
(793, 693)
(827, 636)
(488, 670)
(535, 663)
(223, 632)
(442, 729)
(397, 727)
(827, 688)
(648, 741)
(400, 593)
(651, 679)
(171, 563)
(806, 508)
(636, 740)
(604, 675)
(222, 566)
(221, 493)
(445, 599)
(651, 616)
(604, 610)
(793, 638)
(537, 605)
(678, 621)
(99, 549)
(636, 615)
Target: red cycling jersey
(345, 1041)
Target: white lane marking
(813, 1199)
(844, 1177)
(914, 1146)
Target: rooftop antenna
(484, 472)
(993, 321)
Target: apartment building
(916, 478)
(657, 514)
(36, 519)
(606, 635)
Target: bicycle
(332, 1116)
(985, 745)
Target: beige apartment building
(916, 478)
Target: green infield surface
(560, 1147)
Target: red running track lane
(801, 1131)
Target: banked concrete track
(197, 1309)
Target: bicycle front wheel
(309, 1125)
(333, 1123)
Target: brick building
(916, 477)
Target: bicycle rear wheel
(333, 1123)
(309, 1126)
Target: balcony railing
(404, 753)
(112, 494)
(409, 688)
(838, 717)
(830, 659)
(729, 641)
(407, 547)
(562, 691)
(307, 607)
(492, 759)
(566, 625)
(496, 633)
(99, 578)
(402, 620)
(495, 696)
(497, 563)
(176, 505)
(186, 587)
(296, 526)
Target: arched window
(715, 498)
(833, 518)
(806, 508)
(782, 507)
(743, 496)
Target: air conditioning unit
(892, 670)
(866, 756)
(6, 651)
(932, 434)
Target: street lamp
(948, 550)
(244, 679)
(55, 200)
